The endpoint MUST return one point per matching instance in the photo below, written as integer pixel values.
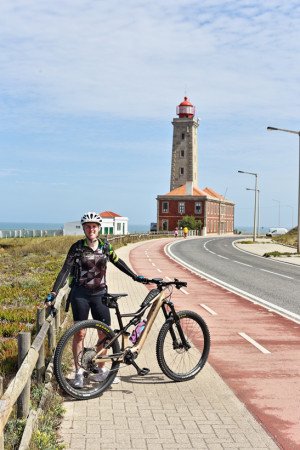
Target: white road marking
(253, 342)
(150, 260)
(243, 264)
(253, 298)
(275, 273)
(167, 278)
(221, 256)
(211, 311)
(184, 291)
(158, 270)
(153, 264)
(207, 248)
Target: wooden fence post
(23, 402)
(52, 337)
(40, 365)
(57, 319)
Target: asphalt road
(268, 280)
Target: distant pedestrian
(185, 231)
(176, 232)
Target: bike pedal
(143, 371)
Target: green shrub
(13, 433)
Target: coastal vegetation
(289, 238)
(28, 267)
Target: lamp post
(293, 132)
(255, 201)
(278, 201)
(258, 191)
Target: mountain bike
(182, 345)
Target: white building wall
(116, 226)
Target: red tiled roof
(181, 190)
(108, 214)
(213, 193)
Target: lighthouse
(184, 165)
(211, 209)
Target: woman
(86, 263)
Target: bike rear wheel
(96, 335)
(181, 361)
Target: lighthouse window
(181, 170)
(182, 136)
(182, 153)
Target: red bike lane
(254, 350)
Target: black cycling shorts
(83, 301)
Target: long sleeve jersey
(88, 267)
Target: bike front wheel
(182, 347)
(76, 370)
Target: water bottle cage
(135, 335)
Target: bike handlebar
(160, 283)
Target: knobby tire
(176, 362)
(64, 368)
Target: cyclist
(86, 263)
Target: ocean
(59, 226)
(133, 228)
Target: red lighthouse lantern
(185, 109)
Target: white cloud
(136, 57)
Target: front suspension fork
(173, 317)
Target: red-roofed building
(111, 224)
(185, 197)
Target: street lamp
(258, 191)
(293, 132)
(255, 201)
(278, 201)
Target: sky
(89, 89)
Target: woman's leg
(100, 312)
(80, 310)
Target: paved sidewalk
(152, 412)
(263, 246)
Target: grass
(28, 267)
(290, 238)
(277, 254)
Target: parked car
(153, 226)
(276, 232)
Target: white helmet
(91, 217)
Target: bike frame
(160, 301)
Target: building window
(181, 171)
(119, 226)
(165, 207)
(165, 225)
(181, 153)
(181, 207)
(198, 208)
(182, 136)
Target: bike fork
(173, 314)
